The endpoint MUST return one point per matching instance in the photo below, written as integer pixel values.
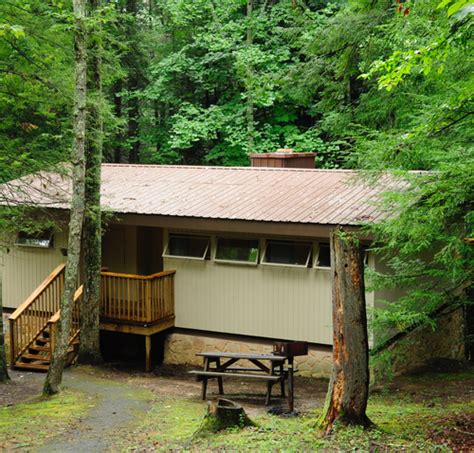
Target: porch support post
(148, 353)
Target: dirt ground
(22, 387)
(455, 431)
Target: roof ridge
(224, 168)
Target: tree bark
(55, 372)
(118, 112)
(346, 401)
(89, 346)
(3, 358)
(223, 414)
(134, 78)
(249, 110)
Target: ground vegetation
(128, 410)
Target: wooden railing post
(13, 347)
(148, 300)
(172, 293)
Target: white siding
(24, 268)
(266, 301)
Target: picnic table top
(243, 355)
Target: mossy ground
(408, 416)
(430, 412)
(28, 424)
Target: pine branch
(454, 301)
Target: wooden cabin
(195, 251)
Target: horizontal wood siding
(24, 268)
(266, 301)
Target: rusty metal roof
(240, 193)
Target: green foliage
(423, 241)
(204, 71)
(35, 87)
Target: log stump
(223, 414)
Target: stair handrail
(75, 328)
(37, 292)
(23, 330)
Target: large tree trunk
(55, 372)
(89, 346)
(3, 358)
(347, 396)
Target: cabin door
(149, 250)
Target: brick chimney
(283, 158)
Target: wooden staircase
(38, 354)
(33, 325)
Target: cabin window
(42, 239)
(324, 255)
(187, 246)
(237, 250)
(287, 253)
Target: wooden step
(38, 357)
(31, 366)
(37, 347)
(42, 339)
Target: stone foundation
(425, 345)
(419, 348)
(181, 348)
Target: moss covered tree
(58, 362)
(3, 358)
(89, 347)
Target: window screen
(42, 239)
(324, 255)
(187, 246)
(243, 250)
(287, 252)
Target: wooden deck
(135, 304)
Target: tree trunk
(89, 346)
(135, 75)
(118, 112)
(55, 372)
(249, 110)
(347, 396)
(3, 358)
(224, 414)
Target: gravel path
(117, 408)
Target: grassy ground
(28, 424)
(171, 424)
(428, 412)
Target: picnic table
(270, 368)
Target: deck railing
(33, 315)
(137, 298)
(124, 298)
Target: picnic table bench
(272, 373)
